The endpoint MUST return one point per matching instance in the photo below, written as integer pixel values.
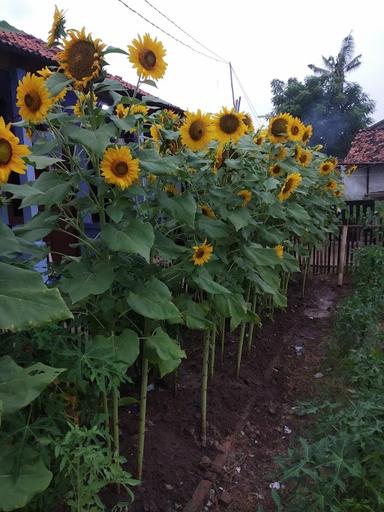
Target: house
(367, 153)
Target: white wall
(355, 186)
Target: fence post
(343, 246)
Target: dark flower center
(305, 135)
(303, 158)
(120, 169)
(229, 123)
(295, 130)
(200, 253)
(196, 130)
(147, 59)
(279, 127)
(5, 152)
(33, 101)
(276, 169)
(287, 187)
(325, 167)
(81, 59)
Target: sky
(263, 41)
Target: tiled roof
(367, 147)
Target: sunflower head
(278, 127)
(326, 167)
(318, 147)
(292, 181)
(33, 98)
(303, 156)
(279, 250)
(152, 178)
(246, 196)
(281, 153)
(82, 103)
(218, 158)
(202, 253)
(156, 134)
(275, 170)
(338, 193)
(119, 168)
(350, 170)
(196, 131)
(331, 185)
(247, 120)
(229, 126)
(46, 73)
(169, 119)
(121, 111)
(11, 152)
(207, 211)
(82, 57)
(260, 137)
(295, 129)
(307, 134)
(171, 190)
(58, 27)
(138, 109)
(147, 56)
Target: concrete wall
(356, 185)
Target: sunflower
(279, 250)
(228, 125)
(33, 98)
(196, 131)
(247, 120)
(219, 158)
(138, 109)
(119, 168)
(295, 129)
(170, 190)
(147, 56)
(350, 170)
(121, 111)
(331, 185)
(275, 170)
(11, 152)
(207, 211)
(155, 133)
(338, 193)
(202, 253)
(152, 178)
(167, 117)
(260, 137)
(246, 196)
(303, 156)
(278, 127)
(57, 29)
(282, 153)
(82, 57)
(82, 103)
(307, 134)
(46, 73)
(292, 181)
(326, 167)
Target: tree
(336, 109)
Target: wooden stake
(343, 246)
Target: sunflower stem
(222, 340)
(213, 351)
(204, 389)
(106, 422)
(241, 339)
(251, 325)
(116, 428)
(143, 411)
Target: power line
(167, 33)
(185, 32)
(247, 98)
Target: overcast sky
(263, 40)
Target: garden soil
(256, 411)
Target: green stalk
(241, 339)
(213, 351)
(306, 267)
(116, 423)
(143, 411)
(222, 340)
(204, 388)
(107, 427)
(251, 325)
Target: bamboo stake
(106, 422)
(143, 410)
(213, 351)
(204, 389)
(116, 428)
(343, 246)
(306, 267)
(241, 339)
(251, 325)
(222, 340)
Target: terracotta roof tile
(367, 147)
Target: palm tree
(335, 68)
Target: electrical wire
(185, 32)
(167, 33)
(247, 98)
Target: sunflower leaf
(182, 207)
(126, 124)
(94, 140)
(114, 49)
(152, 83)
(81, 281)
(56, 83)
(136, 238)
(163, 352)
(41, 162)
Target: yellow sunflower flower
(57, 29)
(295, 129)
(246, 196)
(338, 193)
(260, 137)
(168, 116)
(147, 56)
(196, 131)
(278, 128)
(303, 156)
(11, 152)
(46, 73)
(247, 120)
(219, 158)
(307, 134)
(171, 190)
(121, 111)
(119, 168)
(82, 57)
(81, 104)
(152, 178)
(279, 250)
(207, 211)
(138, 109)
(156, 134)
(275, 170)
(228, 126)
(350, 170)
(326, 167)
(202, 253)
(292, 181)
(282, 153)
(33, 98)
(331, 185)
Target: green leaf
(240, 218)
(20, 386)
(114, 49)
(56, 83)
(261, 256)
(38, 227)
(26, 302)
(152, 83)
(32, 478)
(181, 208)
(41, 162)
(136, 238)
(94, 140)
(81, 280)
(167, 248)
(125, 124)
(115, 212)
(152, 162)
(213, 228)
(126, 346)
(202, 278)
(160, 348)
(231, 306)
(109, 85)
(153, 300)
(194, 314)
